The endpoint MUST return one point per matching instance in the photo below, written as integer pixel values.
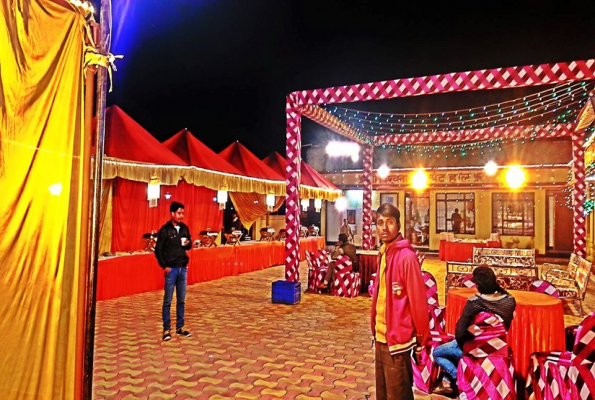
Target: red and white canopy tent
(250, 206)
(313, 185)
(307, 103)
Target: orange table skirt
(538, 324)
(461, 251)
(138, 273)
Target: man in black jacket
(173, 240)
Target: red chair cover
(544, 287)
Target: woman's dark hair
(485, 279)
(388, 210)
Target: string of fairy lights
(557, 105)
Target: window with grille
(513, 214)
(448, 205)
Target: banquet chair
(316, 271)
(549, 270)
(347, 282)
(468, 282)
(568, 374)
(574, 288)
(426, 372)
(485, 371)
(545, 287)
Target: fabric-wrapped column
(578, 168)
(367, 185)
(292, 202)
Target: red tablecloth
(538, 324)
(461, 251)
(367, 264)
(138, 273)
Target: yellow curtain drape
(41, 207)
(105, 226)
(251, 206)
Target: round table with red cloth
(462, 251)
(538, 323)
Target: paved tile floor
(242, 345)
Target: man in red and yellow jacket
(399, 309)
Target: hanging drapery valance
(171, 174)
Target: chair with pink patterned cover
(544, 287)
(347, 282)
(565, 375)
(468, 282)
(485, 371)
(426, 373)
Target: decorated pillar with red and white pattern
(292, 202)
(367, 185)
(578, 168)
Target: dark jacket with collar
(169, 250)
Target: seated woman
(491, 298)
(282, 234)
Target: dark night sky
(222, 68)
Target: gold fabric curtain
(171, 174)
(42, 203)
(251, 206)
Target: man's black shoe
(183, 332)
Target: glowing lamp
(341, 149)
(490, 168)
(222, 198)
(383, 171)
(56, 189)
(270, 202)
(305, 204)
(341, 204)
(153, 191)
(317, 204)
(515, 177)
(419, 180)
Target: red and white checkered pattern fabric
(485, 370)
(367, 201)
(426, 373)
(544, 287)
(468, 282)
(346, 284)
(431, 288)
(292, 202)
(578, 170)
(566, 375)
(312, 270)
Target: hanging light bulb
(419, 180)
(153, 191)
(383, 171)
(515, 177)
(318, 204)
(491, 168)
(270, 200)
(341, 204)
(305, 204)
(222, 198)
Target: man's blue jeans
(175, 278)
(447, 356)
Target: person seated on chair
(265, 236)
(206, 240)
(282, 234)
(313, 231)
(343, 247)
(491, 298)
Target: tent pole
(97, 175)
